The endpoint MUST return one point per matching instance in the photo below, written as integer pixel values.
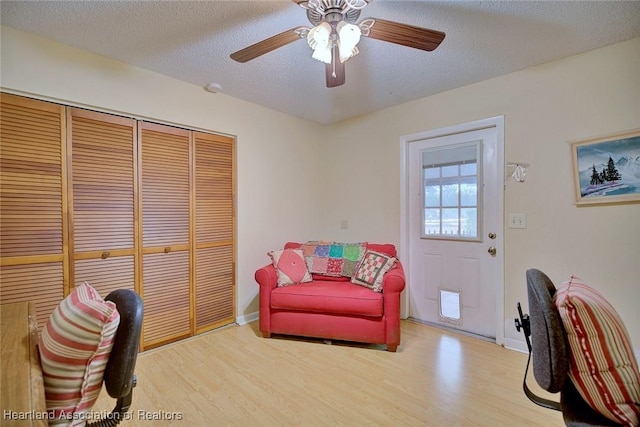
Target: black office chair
(119, 376)
(550, 353)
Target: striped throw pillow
(74, 349)
(603, 366)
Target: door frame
(404, 251)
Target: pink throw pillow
(290, 267)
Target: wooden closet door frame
(142, 250)
(214, 138)
(193, 276)
(58, 109)
(63, 257)
(72, 256)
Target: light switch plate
(517, 220)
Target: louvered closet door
(102, 199)
(214, 229)
(165, 183)
(33, 198)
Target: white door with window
(455, 225)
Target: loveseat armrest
(392, 285)
(394, 279)
(266, 277)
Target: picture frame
(606, 170)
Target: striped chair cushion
(74, 349)
(603, 366)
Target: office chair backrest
(550, 348)
(550, 351)
(119, 373)
(119, 376)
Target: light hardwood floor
(234, 377)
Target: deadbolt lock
(492, 235)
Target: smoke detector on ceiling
(213, 87)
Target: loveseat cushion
(331, 297)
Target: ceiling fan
(335, 35)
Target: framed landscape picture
(607, 169)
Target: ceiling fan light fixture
(348, 38)
(335, 33)
(319, 39)
(322, 54)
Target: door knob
(492, 251)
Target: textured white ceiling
(191, 41)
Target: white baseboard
(247, 318)
(516, 345)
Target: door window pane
(450, 194)
(469, 222)
(432, 221)
(431, 195)
(449, 171)
(450, 222)
(468, 192)
(468, 169)
(451, 199)
(431, 173)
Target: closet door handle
(167, 249)
(105, 255)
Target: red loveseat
(333, 307)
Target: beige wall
(544, 107)
(279, 156)
(276, 153)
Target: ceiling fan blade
(402, 34)
(335, 71)
(267, 45)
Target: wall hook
(517, 171)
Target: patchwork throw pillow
(371, 270)
(602, 363)
(290, 267)
(74, 349)
(333, 258)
